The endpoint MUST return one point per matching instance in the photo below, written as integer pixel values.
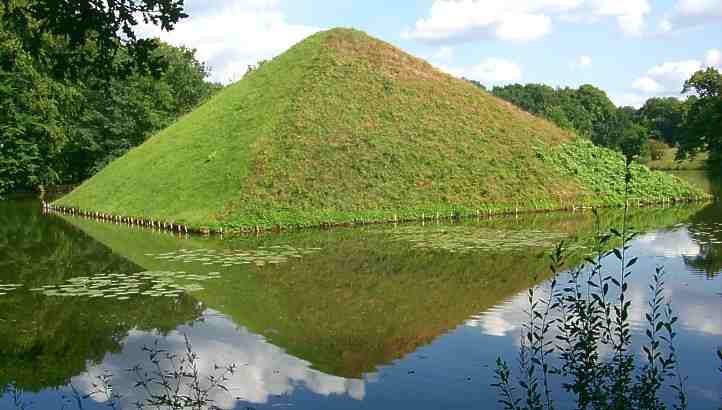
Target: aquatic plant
(580, 335)
(270, 255)
(122, 287)
(6, 288)
(470, 239)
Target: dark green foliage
(709, 259)
(32, 111)
(62, 131)
(122, 114)
(478, 84)
(657, 149)
(587, 111)
(628, 134)
(664, 117)
(703, 127)
(80, 25)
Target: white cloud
(692, 13)
(666, 78)
(523, 27)
(450, 20)
(714, 58)
(490, 71)
(679, 70)
(665, 25)
(647, 84)
(520, 20)
(581, 63)
(630, 14)
(231, 35)
(670, 244)
(635, 100)
(496, 70)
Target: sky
(632, 49)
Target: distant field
(669, 163)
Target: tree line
(76, 93)
(693, 125)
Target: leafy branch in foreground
(17, 397)
(719, 354)
(168, 381)
(590, 353)
(174, 381)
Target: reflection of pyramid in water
(263, 370)
(365, 298)
(362, 301)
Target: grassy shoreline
(598, 171)
(337, 219)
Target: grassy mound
(342, 128)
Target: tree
(102, 27)
(32, 110)
(534, 98)
(664, 117)
(476, 83)
(61, 131)
(587, 111)
(703, 125)
(122, 114)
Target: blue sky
(633, 49)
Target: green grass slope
(341, 128)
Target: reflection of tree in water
(705, 227)
(45, 341)
(709, 261)
(716, 181)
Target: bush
(591, 316)
(657, 149)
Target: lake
(383, 317)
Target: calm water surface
(411, 316)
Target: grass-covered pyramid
(343, 127)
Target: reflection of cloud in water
(698, 313)
(698, 310)
(503, 319)
(670, 244)
(704, 319)
(263, 370)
